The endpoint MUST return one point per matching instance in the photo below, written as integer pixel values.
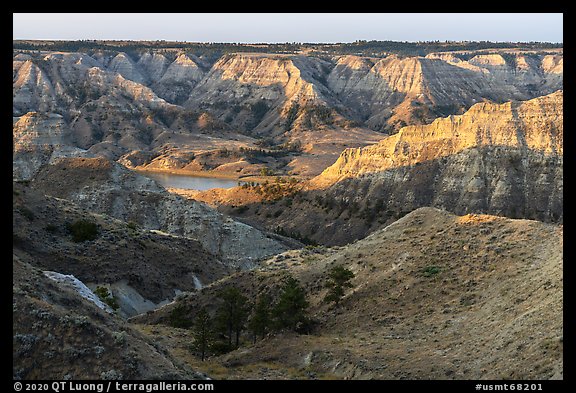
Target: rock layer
(270, 94)
(501, 159)
(99, 185)
(535, 125)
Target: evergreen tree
(290, 310)
(232, 314)
(179, 317)
(260, 321)
(202, 332)
(339, 280)
(104, 294)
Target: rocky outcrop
(553, 69)
(104, 103)
(391, 92)
(141, 268)
(502, 159)
(58, 335)
(183, 69)
(145, 99)
(262, 92)
(36, 138)
(154, 65)
(125, 66)
(32, 89)
(531, 126)
(99, 185)
(179, 79)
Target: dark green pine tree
(290, 310)
(260, 322)
(180, 317)
(202, 333)
(339, 280)
(232, 314)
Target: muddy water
(188, 182)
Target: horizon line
(278, 43)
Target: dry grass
(447, 307)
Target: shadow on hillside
(497, 180)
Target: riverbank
(184, 172)
(212, 174)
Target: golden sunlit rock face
(535, 125)
(390, 210)
(499, 159)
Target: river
(170, 180)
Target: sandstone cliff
(535, 125)
(154, 65)
(35, 137)
(105, 96)
(179, 79)
(391, 92)
(125, 66)
(31, 89)
(262, 91)
(502, 159)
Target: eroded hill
(435, 296)
(58, 335)
(143, 268)
(503, 159)
(102, 186)
(157, 105)
(377, 146)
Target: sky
(290, 27)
